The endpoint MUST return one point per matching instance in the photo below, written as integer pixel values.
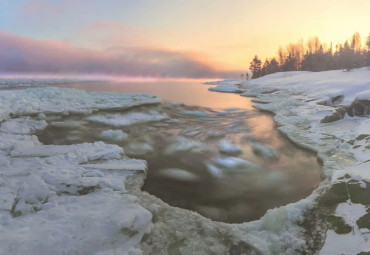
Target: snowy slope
(304, 104)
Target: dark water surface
(183, 150)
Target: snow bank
(128, 119)
(300, 101)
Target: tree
(255, 67)
(368, 51)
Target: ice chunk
(264, 151)
(139, 149)
(196, 113)
(178, 174)
(182, 144)
(128, 119)
(127, 164)
(114, 135)
(24, 125)
(228, 148)
(68, 124)
(221, 166)
(82, 152)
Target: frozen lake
(207, 151)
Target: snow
(300, 100)
(114, 135)
(128, 119)
(86, 198)
(69, 199)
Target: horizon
(190, 40)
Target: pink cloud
(23, 54)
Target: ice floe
(229, 148)
(114, 135)
(265, 152)
(178, 174)
(24, 125)
(128, 118)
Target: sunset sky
(177, 38)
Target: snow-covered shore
(318, 112)
(87, 198)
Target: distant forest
(315, 56)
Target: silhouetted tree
(368, 51)
(255, 67)
(316, 56)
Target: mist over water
(188, 167)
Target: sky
(173, 38)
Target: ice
(229, 148)
(128, 119)
(69, 124)
(114, 135)
(139, 149)
(64, 101)
(265, 152)
(24, 125)
(84, 198)
(127, 164)
(196, 113)
(178, 174)
(230, 165)
(228, 86)
(182, 144)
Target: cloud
(23, 54)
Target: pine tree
(255, 67)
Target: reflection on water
(187, 168)
(189, 93)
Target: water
(186, 177)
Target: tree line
(315, 56)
